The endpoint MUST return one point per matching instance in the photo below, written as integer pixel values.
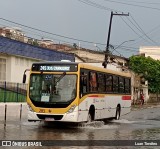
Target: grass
(9, 96)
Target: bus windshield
(52, 88)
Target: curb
(145, 106)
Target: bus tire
(91, 114)
(118, 113)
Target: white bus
(76, 92)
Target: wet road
(142, 124)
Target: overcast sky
(87, 20)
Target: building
(95, 57)
(46, 43)
(14, 33)
(16, 56)
(152, 51)
(63, 47)
(148, 51)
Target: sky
(86, 22)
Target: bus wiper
(58, 79)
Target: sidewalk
(145, 106)
(13, 109)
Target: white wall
(18, 66)
(153, 52)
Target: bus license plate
(49, 119)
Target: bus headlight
(29, 108)
(71, 109)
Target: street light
(121, 44)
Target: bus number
(42, 111)
(43, 68)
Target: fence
(12, 92)
(154, 98)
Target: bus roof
(86, 66)
(55, 62)
(101, 69)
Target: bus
(76, 92)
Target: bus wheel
(91, 114)
(118, 113)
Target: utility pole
(107, 52)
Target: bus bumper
(32, 116)
(67, 117)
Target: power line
(80, 40)
(112, 1)
(96, 5)
(47, 36)
(114, 49)
(88, 4)
(148, 33)
(143, 2)
(133, 30)
(65, 42)
(43, 31)
(128, 49)
(39, 35)
(141, 30)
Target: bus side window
(93, 81)
(127, 86)
(121, 84)
(101, 82)
(109, 87)
(83, 83)
(115, 84)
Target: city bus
(76, 92)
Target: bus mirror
(24, 75)
(24, 78)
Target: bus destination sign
(54, 67)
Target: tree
(35, 43)
(75, 45)
(149, 69)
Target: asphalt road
(140, 124)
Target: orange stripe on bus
(96, 96)
(126, 97)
